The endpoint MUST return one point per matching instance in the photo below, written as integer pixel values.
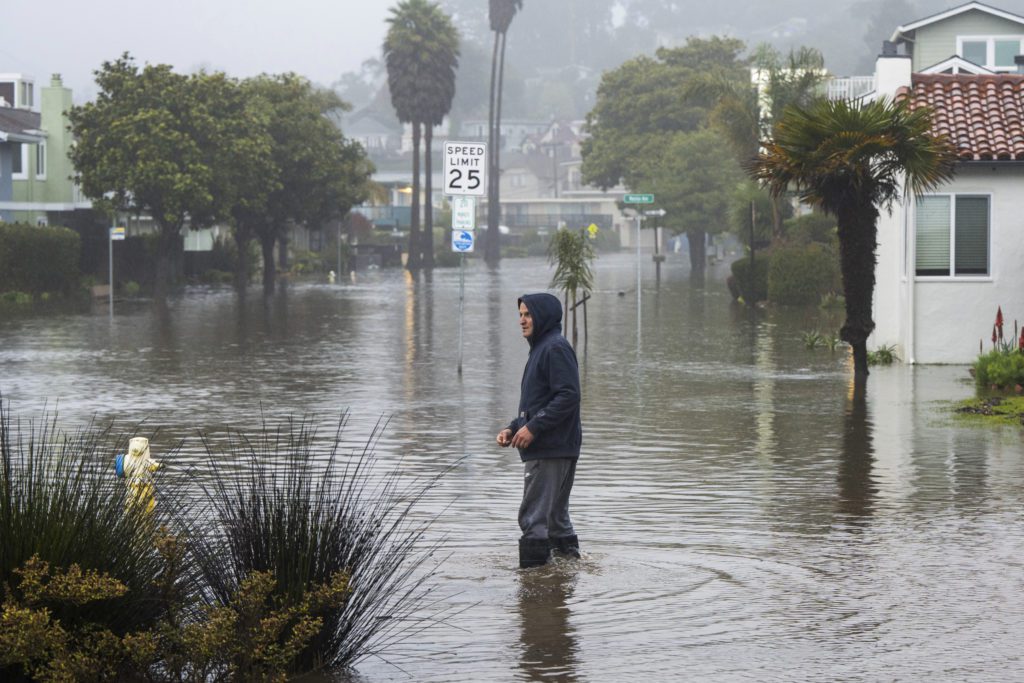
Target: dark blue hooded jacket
(549, 399)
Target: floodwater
(742, 519)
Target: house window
(41, 161)
(19, 161)
(991, 52)
(952, 235)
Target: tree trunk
(698, 257)
(414, 223)
(857, 232)
(267, 245)
(428, 203)
(492, 251)
(169, 235)
(282, 251)
(243, 236)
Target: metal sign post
(465, 179)
(116, 234)
(638, 199)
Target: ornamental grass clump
(295, 506)
(61, 502)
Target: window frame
(990, 49)
(951, 273)
(23, 173)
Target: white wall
(941, 320)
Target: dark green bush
(38, 259)
(801, 275)
(811, 227)
(751, 288)
(1002, 369)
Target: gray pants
(544, 512)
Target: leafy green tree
(850, 161)
(501, 13)
(315, 175)
(165, 144)
(646, 107)
(745, 111)
(692, 180)
(421, 53)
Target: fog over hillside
(557, 50)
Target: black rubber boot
(533, 552)
(568, 546)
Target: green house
(976, 33)
(43, 189)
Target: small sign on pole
(462, 241)
(463, 213)
(117, 233)
(638, 199)
(465, 168)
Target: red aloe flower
(994, 337)
(1020, 346)
(999, 321)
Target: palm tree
(850, 161)
(501, 13)
(441, 57)
(571, 254)
(403, 45)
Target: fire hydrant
(137, 467)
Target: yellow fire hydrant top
(138, 472)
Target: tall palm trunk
(857, 234)
(428, 206)
(414, 223)
(492, 249)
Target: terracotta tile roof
(983, 115)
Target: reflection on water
(745, 514)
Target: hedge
(752, 289)
(802, 275)
(38, 259)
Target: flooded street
(742, 519)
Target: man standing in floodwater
(548, 432)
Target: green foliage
(306, 559)
(16, 298)
(800, 276)
(740, 199)
(999, 368)
(571, 253)
(816, 227)
(37, 259)
(131, 288)
(812, 339)
(883, 355)
(752, 287)
(832, 300)
(644, 102)
(1000, 410)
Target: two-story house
(948, 259)
(20, 136)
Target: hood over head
(546, 311)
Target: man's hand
(522, 438)
(504, 438)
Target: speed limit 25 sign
(465, 168)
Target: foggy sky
(319, 39)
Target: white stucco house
(949, 259)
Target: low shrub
(802, 275)
(999, 368)
(38, 259)
(751, 287)
(811, 228)
(883, 355)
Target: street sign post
(465, 168)
(465, 178)
(638, 199)
(116, 235)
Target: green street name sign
(638, 199)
